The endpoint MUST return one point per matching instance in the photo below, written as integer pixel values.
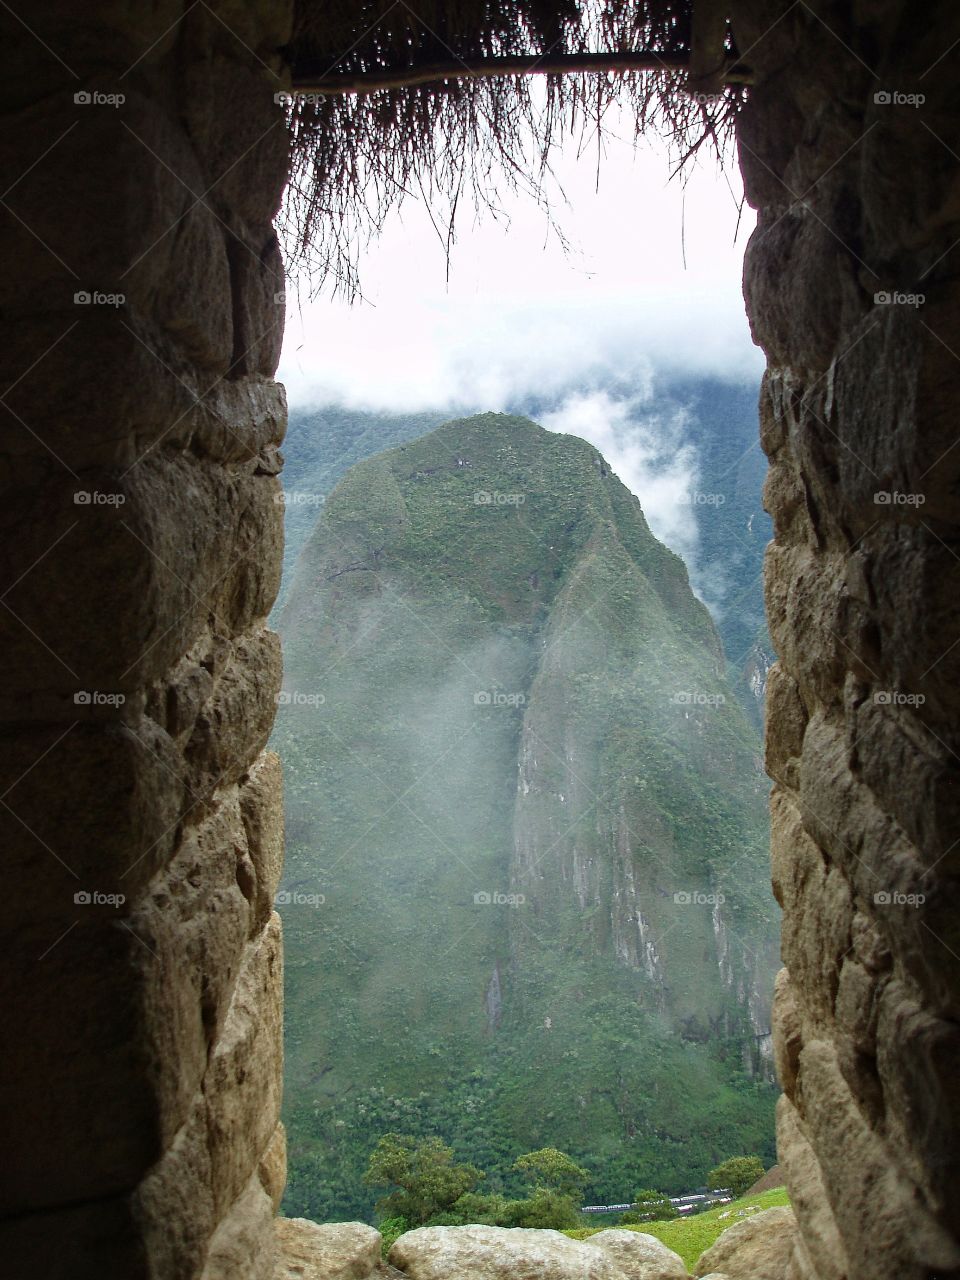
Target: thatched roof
(455, 99)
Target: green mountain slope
(526, 890)
(321, 445)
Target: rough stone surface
(640, 1256)
(498, 1253)
(850, 286)
(759, 1248)
(140, 558)
(273, 1167)
(140, 678)
(333, 1251)
(243, 1243)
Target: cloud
(649, 290)
(652, 279)
(645, 448)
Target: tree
(650, 1206)
(472, 1207)
(737, 1174)
(427, 1178)
(547, 1209)
(552, 1170)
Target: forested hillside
(526, 897)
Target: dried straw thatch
(455, 100)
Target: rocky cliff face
(532, 806)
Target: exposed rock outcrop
(499, 1253)
(758, 1248)
(640, 1256)
(333, 1251)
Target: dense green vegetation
(518, 787)
(648, 1206)
(321, 445)
(430, 1188)
(719, 423)
(738, 1174)
(425, 1177)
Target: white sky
(588, 331)
(520, 316)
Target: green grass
(690, 1236)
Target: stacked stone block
(849, 150)
(144, 157)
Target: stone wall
(858, 196)
(143, 156)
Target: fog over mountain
(522, 766)
(525, 895)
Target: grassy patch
(690, 1236)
